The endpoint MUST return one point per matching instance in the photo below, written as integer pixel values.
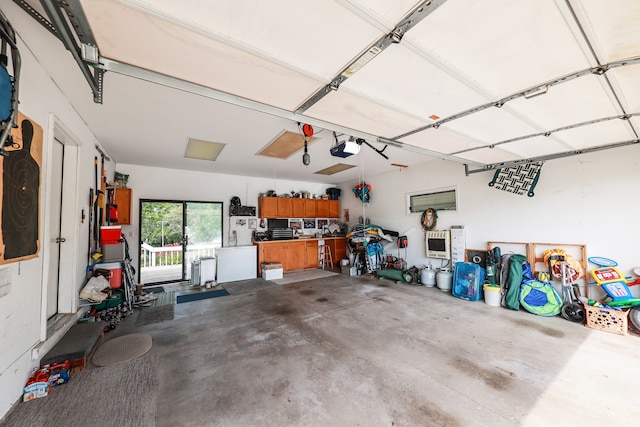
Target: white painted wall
(158, 183)
(590, 199)
(22, 317)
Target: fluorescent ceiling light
(203, 150)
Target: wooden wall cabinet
(123, 202)
(284, 207)
(267, 207)
(310, 208)
(298, 208)
(288, 207)
(323, 208)
(334, 208)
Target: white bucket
(492, 295)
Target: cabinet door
(311, 254)
(310, 208)
(297, 208)
(274, 252)
(323, 209)
(339, 249)
(284, 207)
(267, 207)
(295, 256)
(123, 202)
(334, 208)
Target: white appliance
(207, 270)
(237, 263)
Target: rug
(114, 396)
(121, 349)
(150, 315)
(196, 296)
(302, 276)
(246, 286)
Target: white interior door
(55, 221)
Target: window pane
(439, 200)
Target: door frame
(185, 267)
(69, 257)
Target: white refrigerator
(237, 263)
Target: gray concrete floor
(358, 351)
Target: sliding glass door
(173, 234)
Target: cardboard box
(35, 390)
(271, 270)
(348, 270)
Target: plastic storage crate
(468, 279)
(604, 319)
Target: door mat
(121, 349)
(152, 315)
(118, 395)
(196, 296)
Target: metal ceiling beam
(59, 26)
(530, 92)
(495, 166)
(550, 132)
(207, 92)
(420, 12)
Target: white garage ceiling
(481, 83)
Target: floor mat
(97, 394)
(150, 315)
(122, 349)
(196, 296)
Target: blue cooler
(468, 279)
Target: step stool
(325, 256)
(76, 346)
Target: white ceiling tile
(628, 80)
(441, 140)
(612, 27)
(355, 112)
(490, 126)
(534, 147)
(503, 46)
(488, 156)
(603, 133)
(401, 78)
(575, 101)
(387, 12)
(181, 53)
(306, 35)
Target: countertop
(304, 239)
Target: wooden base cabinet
(291, 254)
